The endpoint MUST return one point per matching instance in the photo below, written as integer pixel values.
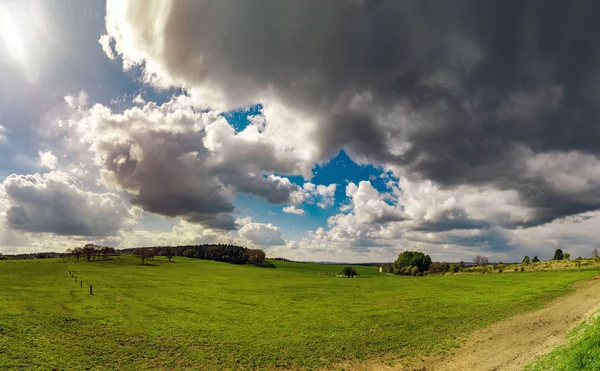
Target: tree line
(91, 252)
(220, 252)
(416, 263)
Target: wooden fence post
(91, 290)
(81, 283)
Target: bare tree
(481, 260)
(595, 254)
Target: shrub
(453, 268)
(414, 271)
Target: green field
(581, 353)
(197, 314)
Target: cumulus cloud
(449, 97)
(48, 160)
(261, 234)
(178, 161)
(291, 209)
(55, 203)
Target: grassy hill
(196, 314)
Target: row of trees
(91, 251)
(224, 253)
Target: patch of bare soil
(510, 344)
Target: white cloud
(48, 160)
(104, 41)
(81, 100)
(261, 234)
(55, 203)
(138, 99)
(291, 209)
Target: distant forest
(220, 252)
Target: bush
(453, 268)
(499, 270)
(415, 271)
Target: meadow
(197, 314)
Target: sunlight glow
(12, 46)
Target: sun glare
(12, 46)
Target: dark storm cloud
(480, 83)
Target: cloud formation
(443, 92)
(55, 203)
(48, 160)
(261, 234)
(178, 161)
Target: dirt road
(510, 344)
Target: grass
(581, 352)
(195, 314)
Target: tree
(526, 260)
(453, 268)
(256, 256)
(349, 272)
(168, 252)
(189, 253)
(535, 259)
(438, 267)
(144, 253)
(106, 251)
(88, 251)
(558, 255)
(567, 256)
(480, 260)
(595, 254)
(409, 259)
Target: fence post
(81, 283)
(91, 290)
(75, 278)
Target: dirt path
(510, 344)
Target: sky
(345, 130)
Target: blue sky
(127, 125)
